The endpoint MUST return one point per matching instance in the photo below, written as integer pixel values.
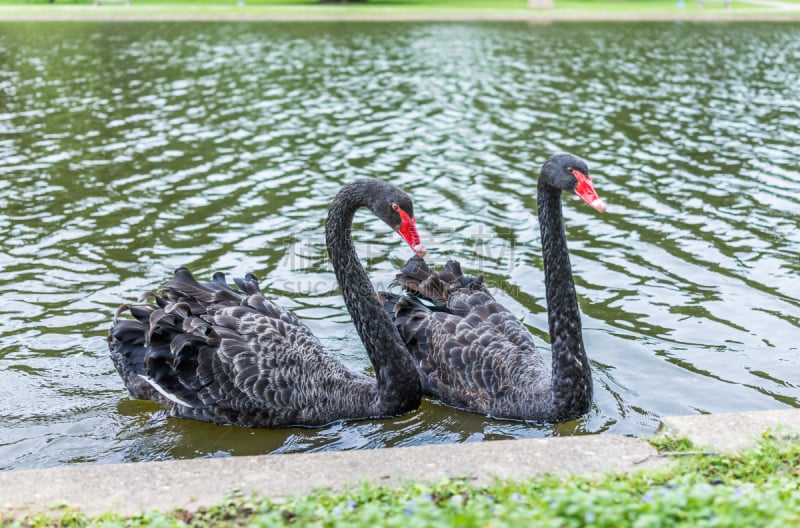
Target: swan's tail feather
(249, 284)
(184, 287)
(452, 271)
(164, 352)
(417, 278)
(438, 287)
(219, 281)
(452, 275)
(140, 313)
(416, 269)
(126, 343)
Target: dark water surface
(128, 149)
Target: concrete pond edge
(191, 484)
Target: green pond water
(129, 149)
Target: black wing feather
(211, 352)
(471, 352)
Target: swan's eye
(395, 207)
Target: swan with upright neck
(473, 354)
(210, 352)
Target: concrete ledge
(190, 484)
(730, 432)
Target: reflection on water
(127, 150)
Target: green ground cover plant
(402, 8)
(760, 487)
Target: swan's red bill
(408, 230)
(586, 191)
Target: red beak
(408, 230)
(586, 191)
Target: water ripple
(129, 150)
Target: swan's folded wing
(239, 359)
(257, 364)
(269, 356)
(468, 361)
(481, 304)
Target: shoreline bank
(196, 483)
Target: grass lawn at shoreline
(396, 9)
(760, 487)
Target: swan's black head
(570, 173)
(394, 207)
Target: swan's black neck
(571, 375)
(398, 384)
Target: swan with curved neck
(473, 354)
(207, 351)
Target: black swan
(213, 353)
(473, 354)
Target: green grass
(758, 488)
(388, 8)
(494, 5)
(458, 4)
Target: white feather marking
(164, 393)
